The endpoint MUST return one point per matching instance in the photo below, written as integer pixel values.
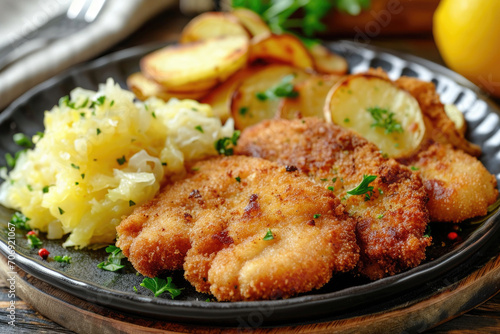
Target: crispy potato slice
(285, 48)
(456, 116)
(247, 108)
(145, 88)
(311, 100)
(376, 108)
(219, 98)
(251, 21)
(198, 65)
(328, 62)
(210, 25)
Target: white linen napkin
(117, 20)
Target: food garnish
(269, 235)
(43, 253)
(385, 119)
(159, 286)
(62, 259)
(224, 146)
(284, 89)
(33, 240)
(364, 187)
(113, 263)
(19, 221)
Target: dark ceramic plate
(344, 296)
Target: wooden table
(166, 27)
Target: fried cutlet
(254, 230)
(391, 222)
(459, 186)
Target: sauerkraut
(101, 154)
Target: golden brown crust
(458, 185)
(232, 203)
(391, 224)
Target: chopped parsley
(364, 187)
(113, 263)
(316, 216)
(269, 235)
(380, 216)
(346, 120)
(324, 180)
(284, 89)
(153, 114)
(83, 176)
(199, 128)
(62, 259)
(238, 179)
(45, 189)
(33, 240)
(112, 103)
(121, 160)
(11, 160)
(20, 221)
(61, 211)
(331, 188)
(159, 286)
(131, 203)
(75, 166)
(223, 145)
(22, 140)
(384, 119)
(100, 100)
(414, 168)
(98, 131)
(427, 233)
(243, 111)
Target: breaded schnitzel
(392, 222)
(254, 230)
(459, 186)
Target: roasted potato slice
(311, 99)
(210, 25)
(285, 49)
(254, 99)
(251, 21)
(145, 88)
(325, 61)
(219, 98)
(380, 111)
(456, 116)
(196, 66)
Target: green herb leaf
(269, 235)
(316, 216)
(113, 263)
(121, 160)
(199, 128)
(75, 166)
(131, 203)
(385, 119)
(65, 258)
(364, 187)
(284, 89)
(238, 179)
(243, 111)
(34, 241)
(159, 286)
(414, 168)
(20, 221)
(223, 145)
(22, 140)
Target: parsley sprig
(284, 89)
(364, 187)
(62, 259)
(384, 119)
(113, 263)
(223, 145)
(159, 286)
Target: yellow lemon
(467, 33)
